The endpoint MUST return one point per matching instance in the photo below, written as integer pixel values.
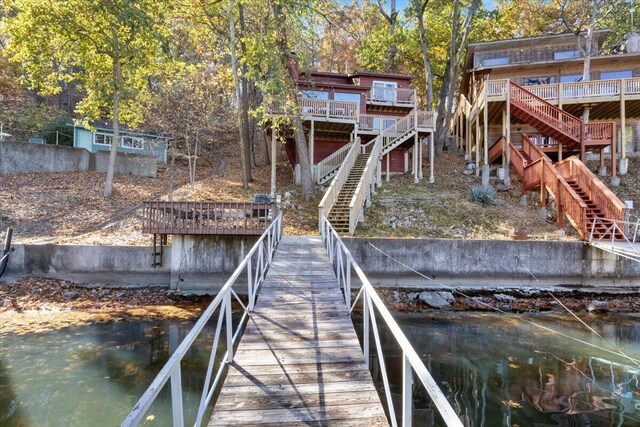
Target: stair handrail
(331, 195)
(518, 161)
(389, 135)
(331, 162)
(611, 206)
(563, 121)
(364, 185)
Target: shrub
(484, 195)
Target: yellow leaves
(514, 366)
(512, 403)
(150, 417)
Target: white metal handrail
(331, 195)
(612, 233)
(256, 264)
(332, 162)
(411, 363)
(363, 189)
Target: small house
(132, 142)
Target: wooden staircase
(339, 213)
(580, 195)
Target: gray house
(130, 141)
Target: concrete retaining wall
(566, 262)
(206, 262)
(20, 157)
(116, 265)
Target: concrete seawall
(21, 157)
(206, 262)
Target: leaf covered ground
(444, 210)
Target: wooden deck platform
(299, 361)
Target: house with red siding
(358, 127)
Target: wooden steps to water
(299, 361)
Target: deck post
(623, 120)
(365, 327)
(387, 175)
(274, 154)
(559, 152)
(432, 155)
(477, 144)
(507, 166)
(407, 392)
(416, 158)
(420, 144)
(504, 132)
(485, 130)
(311, 149)
(614, 154)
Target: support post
(311, 149)
(505, 147)
(407, 392)
(623, 120)
(420, 144)
(274, 154)
(507, 167)
(559, 152)
(416, 155)
(485, 138)
(388, 163)
(477, 144)
(432, 159)
(614, 155)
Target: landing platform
(299, 361)
(626, 249)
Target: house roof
(107, 127)
(600, 35)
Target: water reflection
(498, 371)
(94, 374)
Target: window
(102, 139)
(348, 97)
(490, 62)
(613, 75)
(533, 81)
(315, 94)
(132, 142)
(380, 123)
(566, 54)
(384, 91)
(572, 78)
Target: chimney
(294, 66)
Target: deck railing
(331, 195)
(496, 149)
(599, 132)
(391, 96)
(391, 135)
(329, 164)
(329, 109)
(426, 119)
(255, 264)
(181, 217)
(374, 309)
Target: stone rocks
(70, 295)
(504, 298)
(437, 299)
(120, 295)
(597, 306)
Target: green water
(93, 375)
(495, 369)
(499, 371)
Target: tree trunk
(171, 175)
(420, 6)
(247, 136)
(459, 41)
(246, 166)
(300, 140)
(392, 67)
(115, 140)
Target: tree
(419, 7)
(109, 47)
(581, 18)
(392, 19)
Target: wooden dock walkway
(299, 361)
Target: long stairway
(339, 214)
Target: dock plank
(299, 361)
